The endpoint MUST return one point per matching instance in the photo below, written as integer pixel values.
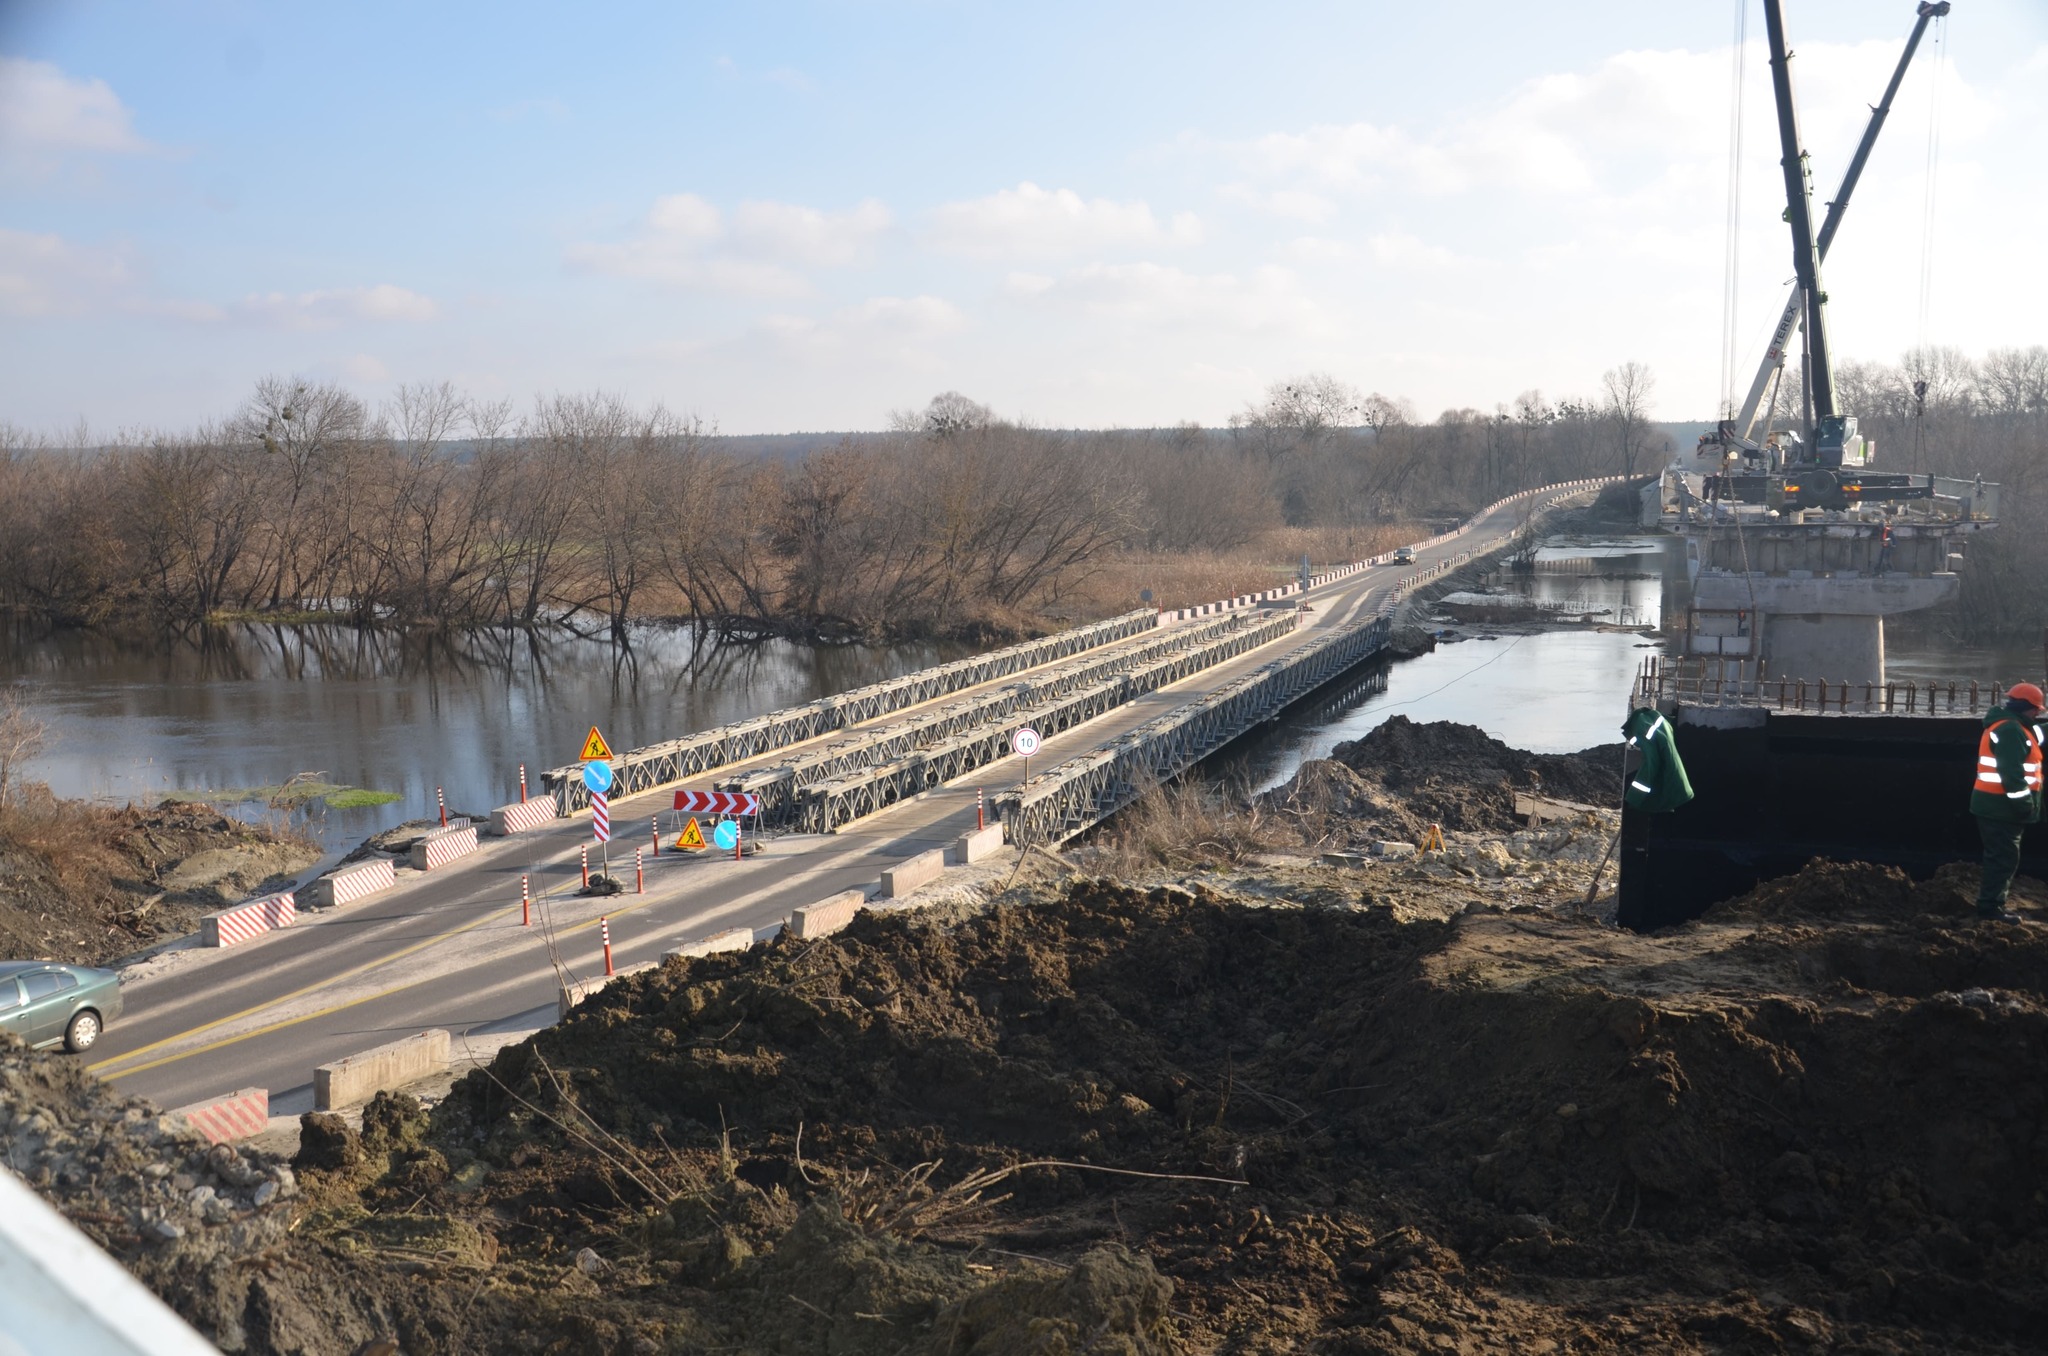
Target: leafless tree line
(1937, 409)
(437, 509)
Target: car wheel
(83, 1031)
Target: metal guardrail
(644, 769)
(1660, 679)
(1081, 792)
(778, 787)
(825, 807)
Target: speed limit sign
(1025, 742)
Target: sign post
(597, 778)
(1025, 742)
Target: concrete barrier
(235, 1116)
(575, 991)
(231, 927)
(507, 820)
(357, 1078)
(732, 939)
(827, 916)
(443, 846)
(350, 883)
(977, 846)
(904, 877)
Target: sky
(790, 217)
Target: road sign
(1025, 742)
(691, 839)
(718, 802)
(726, 835)
(594, 746)
(597, 776)
(600, 817)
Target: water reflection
(142, 713)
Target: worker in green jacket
(2006, 796)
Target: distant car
(46, 1004)
(1404, 555)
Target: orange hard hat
(2027, 693)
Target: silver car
(44, 1004)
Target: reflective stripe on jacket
(2008, 781)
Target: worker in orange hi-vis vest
(2006, 796)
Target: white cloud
(887, 322)
(46, 275)
(1031, 221)
(1149, 295)
(329, 308)
(365, 368)
(44, 110)
(757, 252)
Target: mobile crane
(1825, 464)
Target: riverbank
(89, 883)
(1237, 1097)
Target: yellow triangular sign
(595, 747)
(691, 839)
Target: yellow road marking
(226, 1041)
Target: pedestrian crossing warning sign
(594, 746)
(691, 839)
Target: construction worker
(2007, 794)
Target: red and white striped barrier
(350, 884)
(600, 816)
(518, 818)
(442, 847)
(235, 1116)
(232, 927)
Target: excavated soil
(1404, 776)
(89, 883)
(1112, 1120)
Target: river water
(135, 717)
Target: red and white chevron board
(718, 802)
(601, 816)
(235, 1116)
(245, 921)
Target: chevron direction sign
(718, 802)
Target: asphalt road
(448, 949)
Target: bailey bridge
(871, 783)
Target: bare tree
(1297, 415)
(1629, 388)
(21, 738)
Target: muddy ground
(89, 883)
(1425, 1105)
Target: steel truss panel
(828, 806)
(1082, 792)
(644, 769)
(779, 787)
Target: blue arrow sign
(597, 775)
(726, 835)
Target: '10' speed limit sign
(1025, 741)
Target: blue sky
(802, 216)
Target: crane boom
(1774, 353)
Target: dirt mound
(89, 883)
(1404, 776)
